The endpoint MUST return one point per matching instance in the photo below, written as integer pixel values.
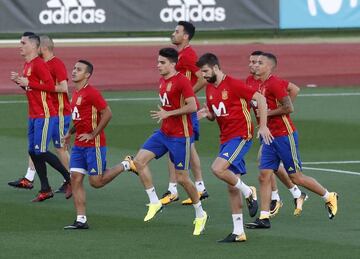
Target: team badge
(224, 95)
(210, 97)
(168, 87)
(78, 101)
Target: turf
(329, 131)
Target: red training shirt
(275, 89)
(187, 66)
(229, 101)
(86, 105)
(172, 93)
(40, 85)
(60, 100)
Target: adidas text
(197, 13)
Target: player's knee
(296, 178)
(264, 177)
(140, 165)
(182, 178)
(96, 184)
(217, 171)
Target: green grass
(329, 131)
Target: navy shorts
(61, 127)
(234, 152)
(88, 160)
(285, 149)
(39, 134)
(178, 148)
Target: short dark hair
(33, 37)
(189, 28)
(256, 53)
(208, 59)
(270, 56)
(169, 53)
(89, 68)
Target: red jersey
(172, 93)
(41, 84)
(254, 84)
(86, 105)
(60, 100)
(275, 89)
(229, 101)
(187, 66)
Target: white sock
(264, 214)
(30, 174)
(173, 188)
(152, 195)
(326, 196)
(275, 195)
(199, 212)
(200, 186)
(81, 218)
(295, 191)
(245, 190)
(126, 165)
(238, 224)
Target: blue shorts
(196, 126)
(285, 149)
(39, 134)
(61, 127)
(88, 160)
(178, 148)
(234, 152)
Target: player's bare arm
(106, 115)
(263, 131)
(293, 91)
(201, 82)
(189, 107)
(286, 107)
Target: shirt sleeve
(98, 100)
(45, 81)
(242, 90)
(60, 72)
(187, 90)
(279, 88)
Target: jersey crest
(224, 95)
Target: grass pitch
(328, 125)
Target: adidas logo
(71, 12)
(93, 170)
(226, 154)
(193, 11)
(180, 165)
(37, 147)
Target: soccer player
(227, 101)
(90, 115)
(61, 104)
(299, 197)
(181, 37)
(38, 84)
(285, 145)
(175, 136)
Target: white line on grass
(200, 97)
(332, 170)
(331, 162)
